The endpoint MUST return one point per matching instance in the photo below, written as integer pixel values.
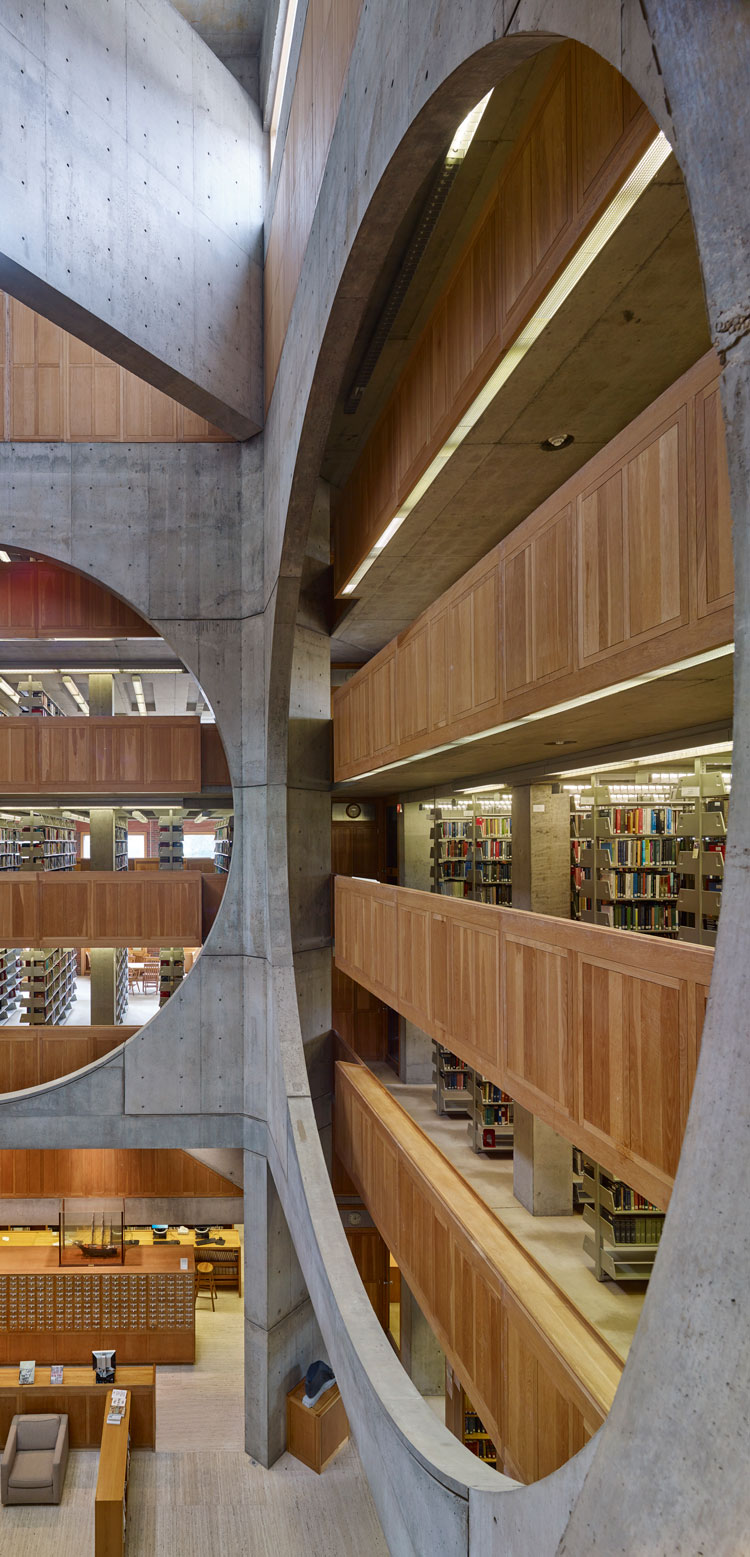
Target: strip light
(138, 690)
(595, 696)
(76, 693)
(4, 556)
(466, 131)
(9, 691)
(642, 175)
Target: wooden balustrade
(626, 569)
(117, 755)
(102, 908)
(540, 1376)
(583, 135)
(596, 1031)
(31, 1056)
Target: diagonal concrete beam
(132, 171)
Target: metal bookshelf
(702, 842)
(451, 1092)
(49, 986)
(491, 1123)
(10, 982)
(223, 841)
(171, 840)
(171, 971)
(624, 863)
(625, 1228)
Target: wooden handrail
(496, 1312)
(594, 1030)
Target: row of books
(658, 918)
(644, 819)
(627, 1199)
(633, 853)
(640, 883)
(637, 1229)
(494, 826)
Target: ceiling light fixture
(557, 441)
(642, 175)
(139, 697)
(4, 556)
(466, 131)
(139, 816)
(9, 691)
(75, 692)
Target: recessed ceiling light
(557, 441)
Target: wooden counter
(112, 1484)
(84, 1401)
(145, 1309)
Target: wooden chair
(151, 975)
(204, 1281)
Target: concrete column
(421, 1354)
(542, 1170)
(101, 694)
(414, 870)
(281, 1332)
(103, 991)
(102, 824)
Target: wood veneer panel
(595, 1031)
(625, 569)
(86, 755)
(539, 1376)
(547, 195)
(101, 908)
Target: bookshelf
(702, 849)
(625, 1227)
(223, 840)
(171, 841)
(48, 986)
(452, 1082)
(121, 843)
(37, 701)
(10, 982)
(624, 861)
(491, 1123)
(171, 971)
(471, 851)
(10, 847)
(47, 844)
(475, 1435)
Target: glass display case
(91, 1232)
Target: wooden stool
(204, 1279)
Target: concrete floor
(556, 1242)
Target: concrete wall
(132, 167)
(422, 68)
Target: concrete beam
(132, 167)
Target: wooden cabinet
(315, 1433)
(111, 1497)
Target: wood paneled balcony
(108, 908)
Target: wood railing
(596, 1031)
(583, 135)
(540, 1376)
(117, 755)
(31, 1056)
(104, 908)
(626, 569)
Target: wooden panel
(135, 1174)
(643, 580)
(602, 574)
(537, 1035)
(83, 1401)
(90, 755)
(597, 1033)
(656, 550)
(540, 1377)
(101, 908)
(547, 195)
(46, 600)
(413, 685)
(62, 391)
(713, 509)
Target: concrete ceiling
(167, 687)
(635, 322)
(229, 27)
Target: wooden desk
(315, 1433)
(144, 1308)
(110, 1505)
(83, 1400)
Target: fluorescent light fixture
(642, 175)
(560, 708)
(139, 697)
(4, 556)
(466, 131)
(139, 816)
(76, 693)
(482, 789)
(9, 691)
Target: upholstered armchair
(32, 1469)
